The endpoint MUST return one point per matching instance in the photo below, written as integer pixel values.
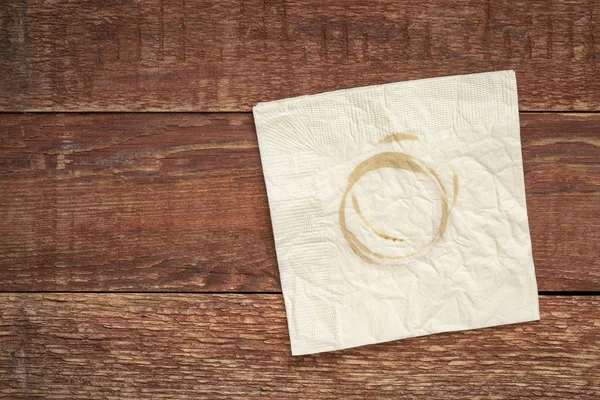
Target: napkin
(398, 210)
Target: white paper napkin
(398, 210)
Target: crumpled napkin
(398, 210)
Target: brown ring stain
(401, 161)
(369, 225)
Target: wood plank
(236, 347)
(177, 55)
(176, 202)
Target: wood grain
(79, 346)
(178, 55)
(176, 202)
(134, 202)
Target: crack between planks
(183, 112)
(563, 293)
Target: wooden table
(136, 252)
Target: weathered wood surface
(91, 346)
(228, 55)
(176, 202)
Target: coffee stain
(455, 183)
(369, 225)
(397, 137)
(400, 161)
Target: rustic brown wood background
(117, 280)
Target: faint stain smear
(396, 137)
(368, 224)
(404, 162)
